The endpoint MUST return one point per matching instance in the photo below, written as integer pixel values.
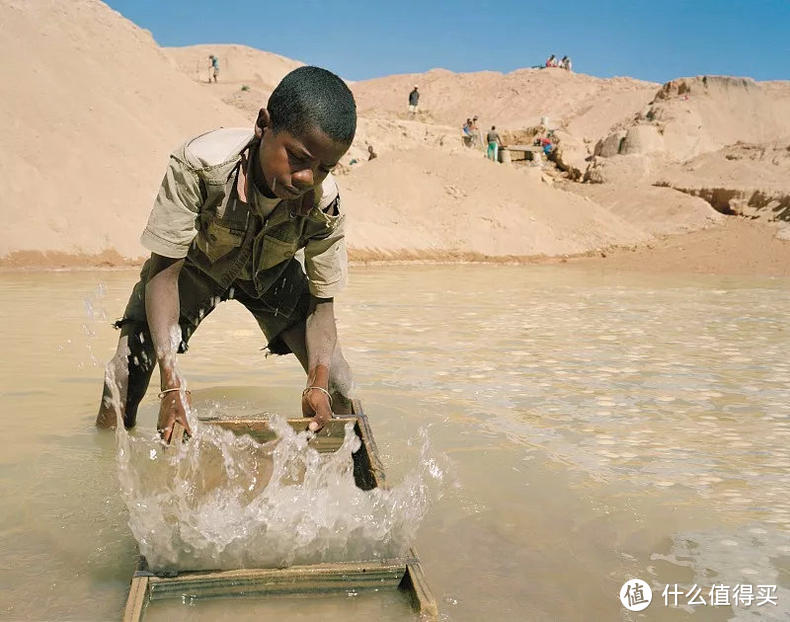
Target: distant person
(551, 61)
(494, 143)
(566, 64)
(414, 99)
(213, 68)
(476, 137)
(467, 133)
(372, 155)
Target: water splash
(94, 315)
(222, 501)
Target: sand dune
(691, 116)
(239, 64)
(425, 203)
(89, 114)
(585, 105)
(93, 107)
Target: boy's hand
(173, 408)
(315, 403)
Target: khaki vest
(230, 232)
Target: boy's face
(293, 165)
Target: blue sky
(644, 39)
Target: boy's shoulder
(217, 146)
(326, 193)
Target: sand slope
(239, 64)
(426, 203)
(89, 114)
(585, 105)
(93, 106)
(691, 116)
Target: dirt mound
(425, 203)
(584, 105)
(745, 179)
(238, 64)
(692, 116)
(90, 116)
(96, 106)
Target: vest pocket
(270, 251)
(216, 240)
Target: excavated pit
(749, 203)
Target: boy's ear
(262, 122)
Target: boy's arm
(162, 310)
(320, 339)
(326, 264)
(170, 230)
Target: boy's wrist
(318, 376)
(168, 379)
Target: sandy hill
(745, 179)
(721, 138)
(239, 64)
(247, 75)
(691, 116)
(93, 106)
(586, 106)
(426, 203)
(89, 115)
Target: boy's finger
(319, 421)
(167, 432)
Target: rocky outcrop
(691, 116)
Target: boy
(233, 208)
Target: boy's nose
(303, 178)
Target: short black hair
(309, 97)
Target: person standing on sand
(414, 99)
(477, 137)
(234, 206)
(467, 133)
(372, 155)
(213, 68)
(494, 143)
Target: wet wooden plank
(178, 435)
(324, 578)
(138, 593)
(328, 439)
(415, 583)
(371, 450)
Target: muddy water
(598, 427)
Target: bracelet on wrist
(166, 391)
(322, 389)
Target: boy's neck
(257, 177)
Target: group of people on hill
(565, 63)
(472, 137)
(471, 132)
